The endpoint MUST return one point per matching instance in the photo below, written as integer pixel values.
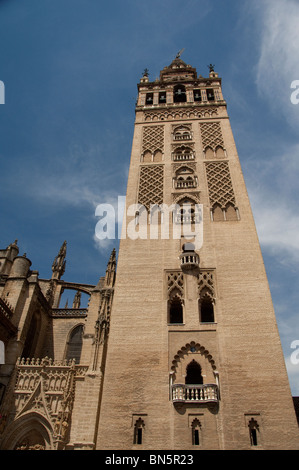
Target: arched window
(230, 213)
(218, 215)
(138, 431)
(209, 152)
(74, 344)
(219, 152)
(193, 375)
(253, 432)
(197, 95)
(179, 94)
(149, 98)
(162, 97)
(32, 336)
(196, 431)
(147, 157)
(158, 156)
(210, 94)
(185, 178)
(206, 310)
(175, 310)
(183, 153)
(33, 440)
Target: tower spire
(58, 266)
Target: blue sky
(70, 69)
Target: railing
(69, 312)
(194, 393)
(190, 259)
(183, 156)
(187, 219)
(182, 184)
(182, 137)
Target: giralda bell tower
(194, 356)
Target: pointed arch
(147, 157)
(32, 335)
(158, 156)
(192, 347)
(206, 309)
(219, 152)
(217, 212)
(74, 344)
(209, 152)
(32, 431)
(230, 212)
(175, 307)
(193, 373)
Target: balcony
(189, 260)
(185, 184)
(184, 136)
(183, 156)
(207, 393)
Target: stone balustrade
(206, 393)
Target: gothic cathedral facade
(180, 349)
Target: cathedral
(177, 347)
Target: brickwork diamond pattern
(151, 185)
(220, 184)
(211, 135)
(153, 138)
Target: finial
(211, 67)
(146, 73)
(58, 266)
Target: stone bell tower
(194, 358)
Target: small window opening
(210, 95)
(196, 437)
(179, 94)
(253, 437)
(196, 429)
(193, 376)
(139, 436)
(254, 432)
(138, 431)
(149, 98)
(162, 97)
(176, 311)
(197, 95)
(206, 311)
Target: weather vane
(211, 67)
(179, 53)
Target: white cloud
(277, 227)
(278, 64)
(273, 191)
